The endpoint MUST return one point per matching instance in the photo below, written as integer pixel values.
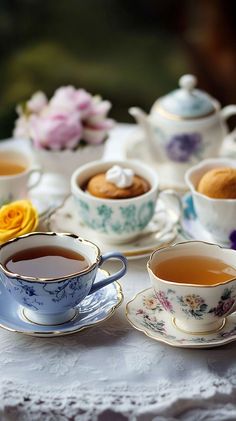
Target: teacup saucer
(145, 314)
(161, 231)
(92, 310)
(190, 227)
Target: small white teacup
(118, 220)
(216, 215)
(195, 308)
(16, 169)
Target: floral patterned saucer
(191, 229)
(161, 231)
(93, 310)
(146, 314)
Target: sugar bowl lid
(186, 102)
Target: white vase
(63, 163)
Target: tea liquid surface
(197, 270)
(46, 262)
(10, 167)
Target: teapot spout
(142, 119)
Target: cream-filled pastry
(117, 183)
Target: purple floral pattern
(193, 305)
(224, 305)
(164, 301)
(232, 239)
(183, 146)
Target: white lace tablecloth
(112, 372)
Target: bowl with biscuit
(213, 187)
(116, 199)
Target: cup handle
(36, 170)
(115, 276)
(172, 201)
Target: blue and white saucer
(146, 314)
(190, 227)
(92, 310)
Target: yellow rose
(17, 218)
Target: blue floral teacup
(51, 301)
(194, 308)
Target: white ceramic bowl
(117, 220)
(216, 215)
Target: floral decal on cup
(31, 297)
(164, 301)
(137, 217)
(184, 146)
(193, 305)
(189, 210)
(225, 304)
(130, 218)
(147, 313)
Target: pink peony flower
(21, 129)
(67, 98)
(58, 131)
(96, 125)
(71, 115)
(37, 102)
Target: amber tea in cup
(197, 270)
(50, 273)
(10, 167)
(46, 262)
(16, 169)
(195, 283)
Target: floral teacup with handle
(51, 301)
(195, 308)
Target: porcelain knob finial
(188, 82)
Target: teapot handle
(228, 111)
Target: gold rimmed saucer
(93, 310)
(160, 232)
(145, 314)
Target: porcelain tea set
(185, 129)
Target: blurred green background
(129, 51)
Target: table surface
(113, 372)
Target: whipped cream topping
(121, 177)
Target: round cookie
(219, 183)
(98, 186)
